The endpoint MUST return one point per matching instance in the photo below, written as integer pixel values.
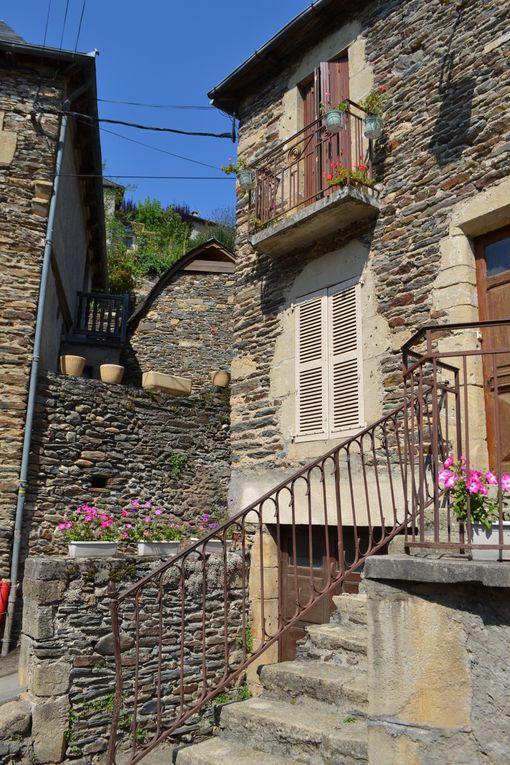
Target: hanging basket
(373, 126)
(246, 179)
(334, 120)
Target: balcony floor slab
(340, 209)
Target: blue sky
(161, 51)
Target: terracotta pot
(72, 365)
(111, 373)
(220, 378)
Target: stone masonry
(25, 176)
(105, 444)
(446, 140)
(186, 331)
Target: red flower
(381, 88)
(329, 177)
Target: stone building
(34, 83)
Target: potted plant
(342, 176)
(374, 106)
(334, 115)
(89, 532)
(156, 532)
(202, 527)
(462, 483)
(245, 176)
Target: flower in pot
(156, 532)
(245, 176)
(339, 175)
(334, 115)
(89, 532)
(203, 526)
(374, 105)
(476, 493)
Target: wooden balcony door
(330, 84)
(493, 279)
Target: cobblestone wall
(67, 654)
(25, 175)
(446, 140)
(104, 444)
(187, 331)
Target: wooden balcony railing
(302, 169)
(101, 318)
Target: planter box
(158, 381)
(165, 549)
(214, 546)
(92, 549)
(482, 536)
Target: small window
(328, 362)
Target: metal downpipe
(34, 374)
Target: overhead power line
(160, 177)
(156, 148)
(156, 106)
(47, 21)
(79, 25)
(135, 125)
(64, 25)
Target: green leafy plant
(247, 640)
(375, 103)
(143, 522)
(88, 524)
(339, 175)
(177, 464)
(327, 106)
(235, 167)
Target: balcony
(101, 319)
(296, 200)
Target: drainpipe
(34, 371)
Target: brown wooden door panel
(493, 280)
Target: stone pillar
(266, 544)
(439, 679)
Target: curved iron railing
(200, 619)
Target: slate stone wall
(444, 66)
(105, 444)
(67, 658)
(25, 177)
(187, 331)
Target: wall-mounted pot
(111, 373)
(72, 365)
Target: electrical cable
(90, 119)
(149, 177)
(64, 25)
(156, 148)
(79, 25)
(47, 21)
(154, 106)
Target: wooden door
(334, 88)
(493, 280)
(299, 579)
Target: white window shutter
(345, 363)
(311, 366)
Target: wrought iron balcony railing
(309, 166)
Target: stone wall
(445, 143)
(67, 659)
(25, 175)
(105, 444)
(439, 685)
(186, 331)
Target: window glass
(497, 257)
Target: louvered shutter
(345, 383)
(311, 366)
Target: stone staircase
(312, 710)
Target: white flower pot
(92, 549)
(213, 547)
(161, 549)
(482, 536)
(111, 373)
(72, 365)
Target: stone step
(313, 736)
(350, 608)
(341, 644)
(219, 750)
(309, 682)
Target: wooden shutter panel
(311, 365)
(345, 385)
